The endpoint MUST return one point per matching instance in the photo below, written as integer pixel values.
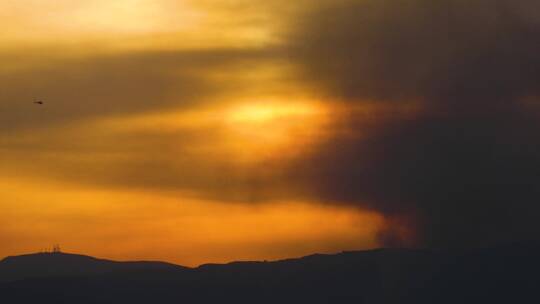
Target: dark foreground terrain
(505, 274)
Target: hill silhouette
(57, 264)
(504, 274)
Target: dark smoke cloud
(442, 50)
(462, 171)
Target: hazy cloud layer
(79, 87)
(88, 131)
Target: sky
(212, 130)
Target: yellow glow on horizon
(96, 17)
(89, 26)
(138, 225)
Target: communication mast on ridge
(56, 248)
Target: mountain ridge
(54, 264)
(505, 274)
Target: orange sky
(160, 119)
(128, 225)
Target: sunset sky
(197, 131)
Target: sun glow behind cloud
(248, 131)
(272, 128)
